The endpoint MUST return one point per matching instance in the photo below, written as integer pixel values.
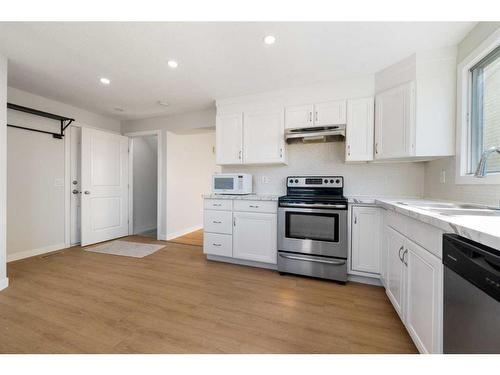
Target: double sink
(455, 209)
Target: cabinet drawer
(218, 244)
(218, 221)
(218, 204)
(256, 206)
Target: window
(485, 110)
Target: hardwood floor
(175, 301)
(194, 238)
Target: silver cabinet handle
(355, 219)
(216, 204)
(281, 152)
(310, 116)
(376, 147)
(217, 222)
(334, 262)
(400, 257)
(234, 222)
(239, 155)
(252, 206)
(86, 192)
(217, 244)
(316, 116)
(405, 261)
(349, 150)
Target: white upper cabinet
(395, 122)
(365, 245)
(229, 139)
(299, 116)
(321, 114)
(359, 129)
(330, 113)
(263, 137)
(415, 107)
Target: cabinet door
(254, 237)
(365, 245)
(330, 113)
(395, 122)
(359, 129)
(263, 137)
(229, 139)
(424, 298)
(395, 269)
(299, 116)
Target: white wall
(36, 175)
(3, 172)
(190, 166)
(194, 122)
(484, 194)
(145, 186)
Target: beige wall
(36, 172)
(3, 171)
(485, 194)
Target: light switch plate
(265, 179)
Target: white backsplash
(361, 179)
(473, 193)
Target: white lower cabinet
(423, 298)
(365, 240)
(413, 277)
(254, 237)
(246, 231)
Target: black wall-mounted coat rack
(65, 121)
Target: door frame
(67, 178)
(159, 189)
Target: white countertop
(482, 229)
(248, 197)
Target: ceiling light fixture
(173, 64)
(269, 39)
(105, 81)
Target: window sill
(491, 179)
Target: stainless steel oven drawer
(307, 265)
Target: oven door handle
(334, 262)
(313, 205)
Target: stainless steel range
(312, 227)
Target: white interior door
(75, 208)
(104, 186)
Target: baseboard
(34, 252)
(182, 232)
(364, 280)
(4, 283)
(242, 262)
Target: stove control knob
(325, 181)
(331, 181)
(337, 181)
(296, 181)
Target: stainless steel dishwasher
(471, 318)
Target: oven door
(313, 231)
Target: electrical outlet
(265, 179)
(442, 176)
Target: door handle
(87, 192)
(334, 262)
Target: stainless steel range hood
(334, 133)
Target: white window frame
(463, 109)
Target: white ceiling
(64, 61)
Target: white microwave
(232, 183)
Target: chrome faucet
(481, 167)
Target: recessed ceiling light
(172, 63)
(105, 81)
(269, 39)
(163, 103)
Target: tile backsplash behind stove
(361, 179)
